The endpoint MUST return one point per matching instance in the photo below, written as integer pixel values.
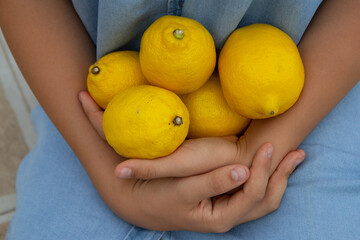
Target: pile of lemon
(170, 90)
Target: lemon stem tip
(178, 33)
(95, 70)
(177, 121)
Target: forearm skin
(53, 51)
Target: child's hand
(200, 203)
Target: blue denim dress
(56, 199)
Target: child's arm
(330, 50)
(53, 51)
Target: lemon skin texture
(177, 54)
(112, 74)
(145, 122)
(210, 115)
(261, 71)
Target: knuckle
(149, 172)
(257, 196)
(242, 155)
(224, 228)
(274, 205)
(220, 225)
(228, 152)
(218, 185)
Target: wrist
(277, 131)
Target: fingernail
(125, 173)
(270, 151)
(238, 174)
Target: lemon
(261, 71)
(112, 74)
(210, 115)
(145, 122)
(177, 54)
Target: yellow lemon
(177, 53)
(261, 71)
(145, 122)
(112, 74)
(210, 115)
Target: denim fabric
(115, 25)
(56, 199)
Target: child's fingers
(212, 184)
(195, 156)
(227, 212)
(277, 185)
(92, 111)
(254, 190)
